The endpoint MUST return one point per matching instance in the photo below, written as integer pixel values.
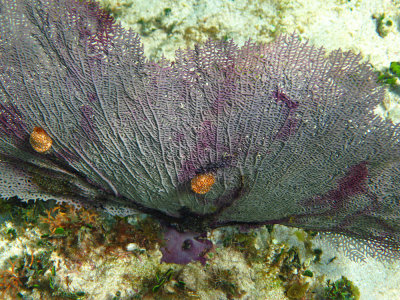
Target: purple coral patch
(184, 247)
(291, 124)
(282, 98)
(354, 183)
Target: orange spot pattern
(40, 140)
(202, 183)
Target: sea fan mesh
(287, 130)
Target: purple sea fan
(285, 131)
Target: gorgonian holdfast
(258, 134)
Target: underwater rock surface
(279, 133)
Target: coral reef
(126, 264)
(224, 135)
(287, 135)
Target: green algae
(342, 289)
